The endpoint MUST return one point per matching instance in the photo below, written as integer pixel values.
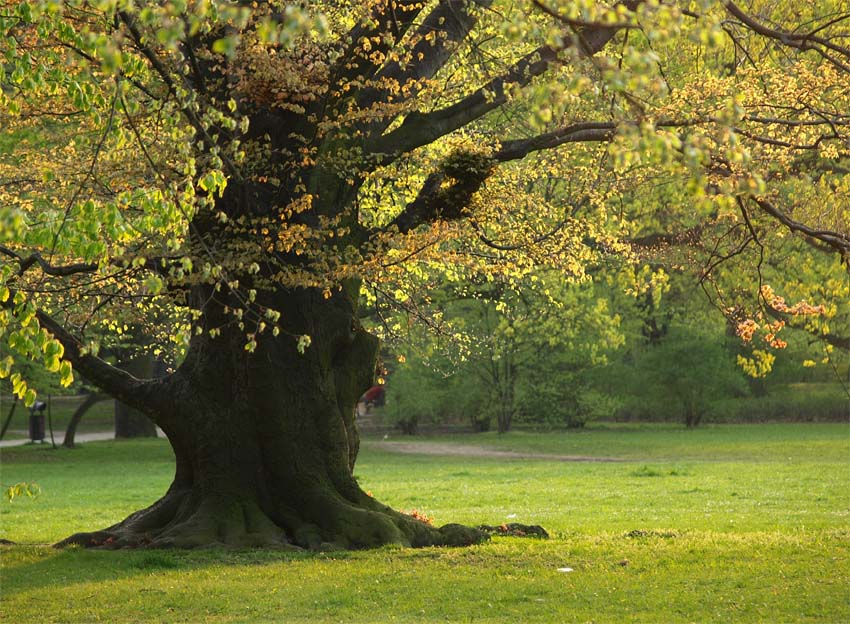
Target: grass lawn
(730, 523)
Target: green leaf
(66, 374)
(6, 366)
(29, 397)
(304, 342)
(226, 46)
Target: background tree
(256, 165)
(502, 352)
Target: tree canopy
(305, 145)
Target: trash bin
(37, 421)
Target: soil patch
(466, 450)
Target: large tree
(257, 166)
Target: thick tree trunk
(265, 443)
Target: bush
(797, 402)
(565, 400)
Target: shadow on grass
(135, 450)
(27, 568)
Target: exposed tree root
(182, 519)
(515, 529)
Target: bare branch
(836, 241)
(35, 258)
(583, 132)
(420, 129)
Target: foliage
(153, 175)
(680, 377)
(795, 402)
(508, 350)
(419, 394)
(665, 355)
(30, 490)
(680, 359)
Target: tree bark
(265, 442)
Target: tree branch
(841, 342)
(120, 384)
(687, 237)
(420, 129)
(24, 264)
(581, 132)
(447, 192)
(388, 23)
(800, 41)
(453, 19)
(156, 63)
(835, 240)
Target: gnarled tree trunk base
(182, 519)
(265, 443)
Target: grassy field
(722, 524)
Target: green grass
(770, 442)
(722, 524)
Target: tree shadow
(44, 567)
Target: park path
(467, 450)
(94, 436)
(410, 448)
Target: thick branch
(421, 129)
(112, 380)
(446, 193)
(575, 133)
(24, 264)
(687, 237)
(436, 39)
(385, 26)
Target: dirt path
(410, 448)
(466, 450)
